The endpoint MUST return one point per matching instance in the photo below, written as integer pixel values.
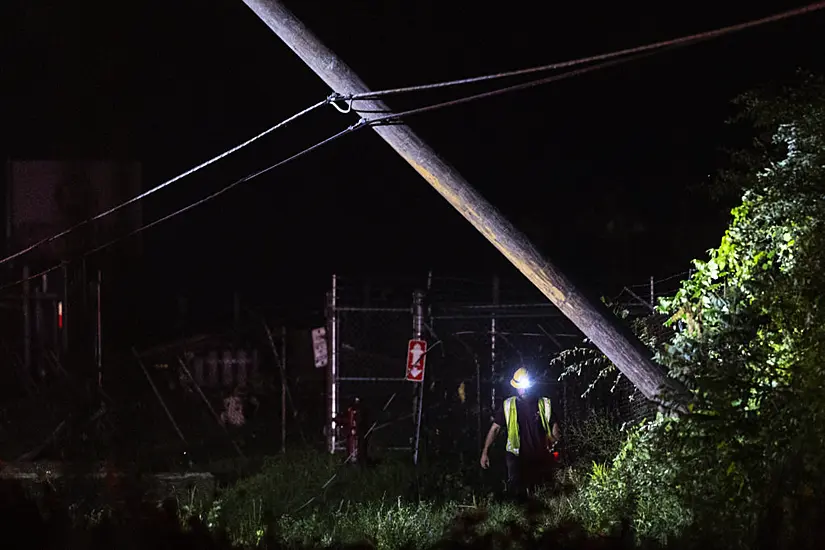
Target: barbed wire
(662, 280)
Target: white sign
(319, 347)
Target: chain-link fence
(371, 355)
(369, 328)
(478, 332)
(482, 345)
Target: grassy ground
(307, 499)
(304, 499)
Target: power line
(675, 42)
(157, 188)
(630, 53)
(391, 118)
(360, 124)
(396, 118)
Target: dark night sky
(174, 83)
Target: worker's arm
(556, 433)
(491, 437)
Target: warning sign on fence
(416, 359)
(319, 347)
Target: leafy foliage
(579, 361)
(749, 333)
(636, 485)
(597, 438)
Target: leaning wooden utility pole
(592, 318)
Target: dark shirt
(532, 436)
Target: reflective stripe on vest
(511, 419)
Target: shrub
(747, 466)
(597, 438)
(638, 486)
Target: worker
(532, 433)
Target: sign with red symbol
(416, 358)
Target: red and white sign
(416, 358)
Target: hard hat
(521, 379)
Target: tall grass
(309, 499)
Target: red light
(60, 315)
(555, 455)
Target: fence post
(565, 419)
(39, 340)
(64, 335)
(99, 341)
(27, 334)
(496, 297)
(332, 364)
(418, 333)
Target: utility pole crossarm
(592, 318)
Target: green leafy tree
(749, 328)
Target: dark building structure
(54, 298)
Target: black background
(603, 171)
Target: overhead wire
(397, 118)
(609, 59)
(163, 185)
(190, 206)
(389, 119)
(674, 42)
(393, 118)
(362, 123)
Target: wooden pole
(590, 316)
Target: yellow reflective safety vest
(511, 419)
